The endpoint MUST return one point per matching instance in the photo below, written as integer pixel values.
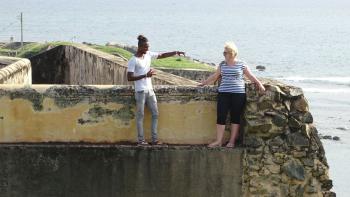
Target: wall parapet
(18, 71)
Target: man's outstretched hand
(179, 53)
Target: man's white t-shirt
(140, 66)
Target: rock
(327, 185)
(306, 130)
(312, 186)
(264, 105)
(308, 162)
(253, 142)
(328, 194)
(277, 119)
(301, 105)
(274, 92)
(311, 189)
(342, 128)
(294, 169)
(296, 191)
(324, 177)
(280, 120)
(287, 104)
(260, 67)
(304, 117)
(277, 141)
(307, 118)
(274, 169)
(319, 170)
(326, 137)
(294, 123)
(295, 91)
(278, 158)
(291, 91)
(299, 154)
(336, 138)
(258, 126)
(254, 167)
(297, 139)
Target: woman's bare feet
(214, 144)
(230, 145)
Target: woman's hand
(260, 87)
(202, 83)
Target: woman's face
(228, 55)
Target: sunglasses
(225, 53)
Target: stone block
(294, 169)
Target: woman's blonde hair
(231, 48)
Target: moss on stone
(27, 94)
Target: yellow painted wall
(180, 122)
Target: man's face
(144, 47)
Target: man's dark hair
(142, 39)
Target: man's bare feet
(214, 144)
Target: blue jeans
(148, 98)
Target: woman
(231, 96)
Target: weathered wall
(284, 155)
(45, 113)
(50, 67)
(110, 170)
(17, 71)
(193, 74)
(82, 65)
(89, 66)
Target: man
(139, 71)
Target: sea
(302, 43)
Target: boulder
(294, 169)
(297, 139)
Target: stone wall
(15, 71)
(75, 170)
(82, 65)
(284, 155)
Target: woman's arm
(253, 79)
(212, 78)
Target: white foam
(336, 80)
(327, 90)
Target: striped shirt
(232, 80)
